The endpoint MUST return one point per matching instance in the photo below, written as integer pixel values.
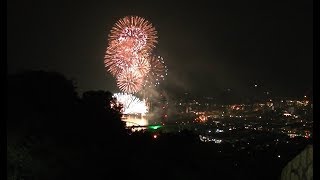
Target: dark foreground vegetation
(52, 133)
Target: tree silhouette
(52, 132)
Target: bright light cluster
(131, 104)
(128, 55)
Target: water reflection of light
(135, 120)
(134, 129)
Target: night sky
(208, 46)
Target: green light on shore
(154, 127)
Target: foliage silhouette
(63, 132)
(53, 133)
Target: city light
(155, 136)
(154, 127)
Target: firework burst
(128, 55)
(131, 104)
(142, 65)
(158, 71)
(136, 30)
(129, 81)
